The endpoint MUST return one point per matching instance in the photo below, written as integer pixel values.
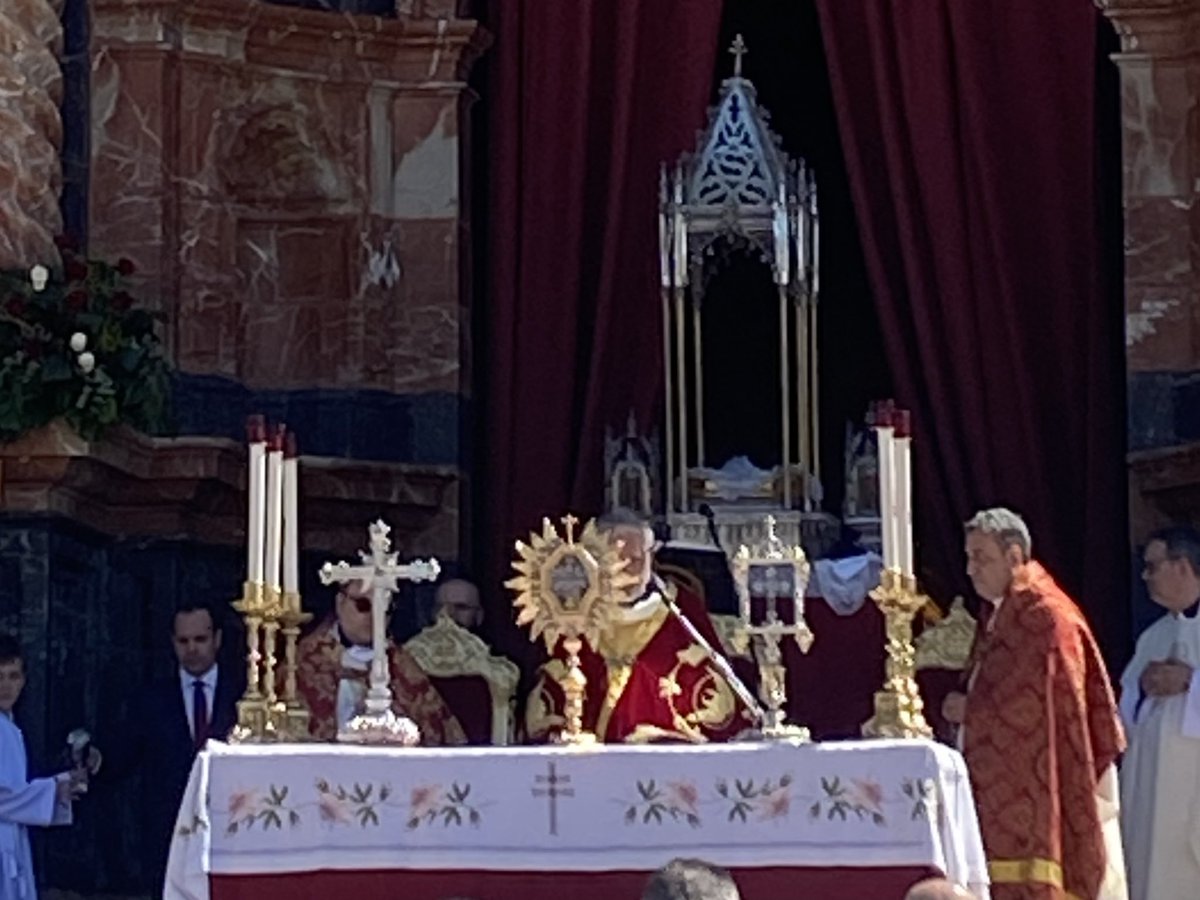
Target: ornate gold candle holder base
(574, 685)
(899, 710)
(264, 717)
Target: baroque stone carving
(30, 131)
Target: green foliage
(42, 378)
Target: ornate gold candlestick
(293, 723)
(899, 711)
(252, 708)
(564, 590)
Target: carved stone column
(30, 131)
(1160, 70)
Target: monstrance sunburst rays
(565, 589)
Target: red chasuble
(1041, 727)
(650, 682)
(319, 668)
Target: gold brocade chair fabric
(478, 686)
(943, 654)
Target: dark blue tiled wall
(351, 424)
(1164, 409)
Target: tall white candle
(256, 496)
(274, 508)
(904, 531)
(887, 499)
(291, 519)
(904, 548)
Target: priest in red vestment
(1040, 730)
(333, 665)
(650, 681)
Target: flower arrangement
(74, 344)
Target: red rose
(76, 269)
(121, 301)
(66, 242)
(16, 306)
(77, 300)
(125, 266)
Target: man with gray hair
(690, 879)
(1039, 728)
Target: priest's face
(12, 681)
(1171, 582)
(354, 614)
(634, 544)
(196, 641)
(459, 599)
(991, 566)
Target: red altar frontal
(847, 820)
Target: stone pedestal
(1160, 68)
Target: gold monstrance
(565, 589)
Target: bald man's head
(937, 889)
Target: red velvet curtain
(970, 135)
(586, 98)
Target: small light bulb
(87, 362)
(38, 276)
(78, 342)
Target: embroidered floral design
(766, 801)
(921, 792)
(429, 803)
(860, 797)
(247, 807)
(677, 799)
(337, 805)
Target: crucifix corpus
(379, 571)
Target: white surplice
(1160, 776)
(22, 803)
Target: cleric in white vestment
(1160, 705)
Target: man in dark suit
(168, 723)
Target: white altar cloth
(302, 808)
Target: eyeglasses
(1150, 566)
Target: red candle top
(275, 444)
(289, 446)
(256, 429)
(902, 420)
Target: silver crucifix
(379, 572)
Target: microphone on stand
(707, 511)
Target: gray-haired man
(1039, 728)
